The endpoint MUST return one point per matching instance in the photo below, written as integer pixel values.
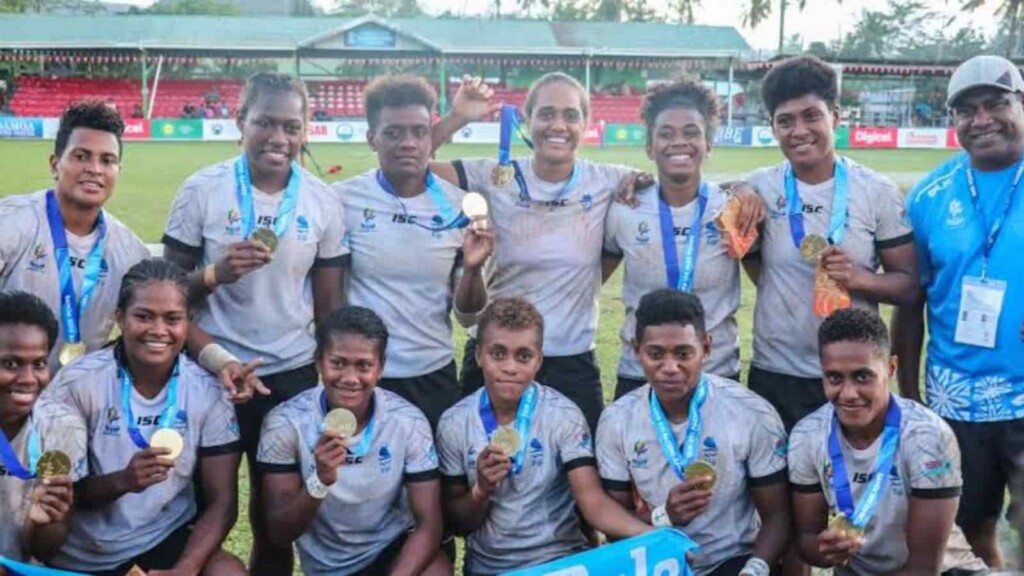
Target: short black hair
(93, 114)
(270, 83)
(687, 93)
(854, 325)
(352, 320)
(396, 91)
(798, 77)
(146, 272)
(514, 314)
(667, 306)
(17, 307)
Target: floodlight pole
(590, 54)
(442, 106)
(145, 89)
(728, 105)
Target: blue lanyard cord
(677, 459)
(524, 417)
(364, 445)
(167, 416)
(860, 514)
(997, 224)
(243, 193)
(10, 459)
(72, 308)
(840, 205)
(448, 219)
(524, 190)
(676, 280)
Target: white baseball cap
(994, 71)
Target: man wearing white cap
(968, 220)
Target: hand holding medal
(737, 244)
(829, 296)
(494, 464)
(840, 541)
(53, 495)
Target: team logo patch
(781, 447)
(301, 228)
(956, 214)
(384, 459)
(938, 468)
(112, 426)
(640, 458)
(587, 201)
(709, 450)
(536, 452)
(779, 211)
(432, 455)
(38, 261)
(712, 235)
(643, 233)
(369, 220)
(586, 442)
(234, 225)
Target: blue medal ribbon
(510, 120)
(676, 280)
(997, 225)
(243, 193)
(860, 514)
(448, 219)
(840, 205)
(676, 458)
(73, 308)
(168, 414)
(10, 459)
(364, 445)
(524, 416)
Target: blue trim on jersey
(969, 383)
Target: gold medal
(700, 468)
(838, 522)
(168, 438)
(502, 175)
(266, 237)
(70, 352)
(474, 206)
(341, 421)
(506, 439)
(136, 571)
(53, 463)
(812, 246)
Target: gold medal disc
(840, 523)
(506, 439)
(168, 438)
(699, 468)
(53, 463)
(341, 421)
(70, 352)
(266, 237)
(812, 246)
(502, 175)
(474, 205)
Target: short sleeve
(611, 454)
(477, 173)
(69, 435)
(575, 444)
(332, 247)
(932, 459)
(449, 448)
(803, 450)
(185, 219)
(611, 245)
(766, 461)
(13, 236)
(137, 251)
(219, 433)
(63, 391)
(420, 455)
(279, 444)
(915, 217)
(892, 225)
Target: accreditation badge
(981, 303)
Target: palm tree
(758, 11)
(1012, 13)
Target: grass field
(152, 172)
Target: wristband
(660, 519)
(210, 276)
(755, 567)
(213, 358)
(315, 487)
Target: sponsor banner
(50, 127)
(221, 129)
(762, 137)
(863, 137)
(478, 133)
(843, 137)
(594, 135)
(661, 552)
(136, 129)
(338, 131)
(177, 129)
(952, 141)
(733, 136)
(14, 127)
(625, 134)
(921, 138)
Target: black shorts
(163, 556)
(283, 386)
(627, 384)
(432, 393)
(381, 565)
(793, 397)
(990, 461)
(576, 376)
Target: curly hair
(797, 77)
(271, 83)
(854, 325)
(553, 78)
(513, 314)
(352, 320)
(17, 307)
(667, 306)
(94, 114)
(687, 93)
(396, 91)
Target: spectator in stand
(208, 112)
(137, 111)
(225, 112)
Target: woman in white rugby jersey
(160, 428)
(260, 234)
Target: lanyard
(524, 416)
(997, 225)
(10, 459)
(364, 445)
(860, 514)
(243, 193)
(510, 120)
(840, 205)
(166, 416)
(448, 218)
(676, 458)
(681, 281)
(71, 308)
(524, 190)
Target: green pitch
(151, 173)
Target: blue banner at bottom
(18, 569)
(661, 552)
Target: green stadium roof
(329, 35)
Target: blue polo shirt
(964, 382)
